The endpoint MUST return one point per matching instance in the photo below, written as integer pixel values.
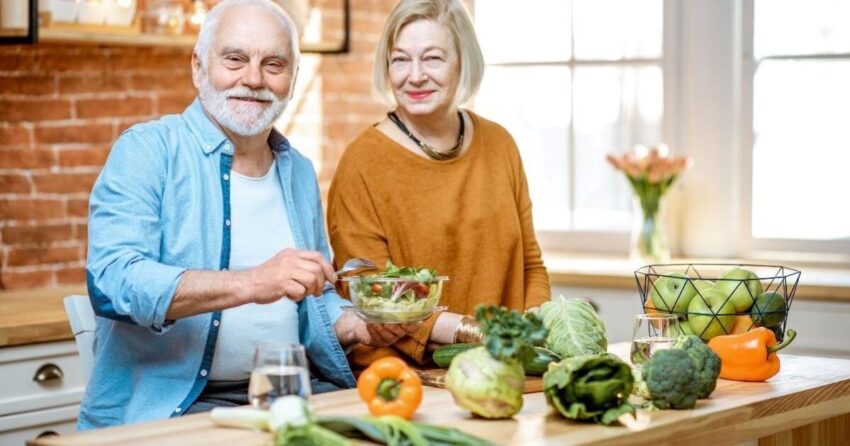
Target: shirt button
(204, 372)
(216, 323)
(227, 147)
(227, 222)
(226, 177)
(177, 410)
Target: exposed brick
(93, 83)
(162, 81)
(65, 134)
(78, 207)
(13, 235)
(30, 208)
(14, 280)
(124, 124)
(34, 110)
(37, 84)
(93, 156)
(41, 255)
(100, 108)
(15, 184)
(26, 159)
(64, 182)
(71, 276)
(81, 231)
(14, 135)
(174, 103)
(63, 62)
(18, 61)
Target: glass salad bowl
(399, 295)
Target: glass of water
(653, 332)
(279, 369)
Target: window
(800, 142)
(573, 81)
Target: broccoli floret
(706, 361)
(669, 377)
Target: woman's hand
(350, 329)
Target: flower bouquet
(650, 172)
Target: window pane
(618, 29)
(538, 116)
(615, 108)
(530, 31)
(802, 150)
(801, 27)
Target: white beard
(242, 119)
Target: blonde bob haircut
(449, 13)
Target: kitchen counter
(35, 316)
(808, 402)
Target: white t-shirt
(259, 229)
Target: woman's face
(424, 69)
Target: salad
(399, 294)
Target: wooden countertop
(807, 390)
(816, 283)
(33, 316)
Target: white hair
(207, 35)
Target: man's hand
(291, 273)
(350, 329)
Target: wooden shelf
(95, 37)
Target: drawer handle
(47, 373)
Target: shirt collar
(212, 138)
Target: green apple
(741, 286)
(685, 328)
(701, 285)
(711, 314)
(672, 293)
(769, 310)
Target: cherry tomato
(376, 288)
(422, 290)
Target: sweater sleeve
(355, 230)
(537, 288)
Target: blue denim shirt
(161, 206)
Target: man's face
(248, 78)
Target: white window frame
(821, 251)
(617, 242)
(716, 128)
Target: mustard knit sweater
(469, 218)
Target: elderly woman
(435, 185)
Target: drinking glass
(653, 332)
(279, 369)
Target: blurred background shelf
(83, 36)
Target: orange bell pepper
(390, 387)
(749, 356)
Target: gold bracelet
(468, 331)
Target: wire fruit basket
(713, 299)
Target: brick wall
(61, 106)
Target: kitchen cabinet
(41, 386)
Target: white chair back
(81, 317)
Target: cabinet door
(39, 376)
(17, 429)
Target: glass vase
(649, 239)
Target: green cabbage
(589, 388)
(484, 385)
(574, 328)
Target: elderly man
(206, 238)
